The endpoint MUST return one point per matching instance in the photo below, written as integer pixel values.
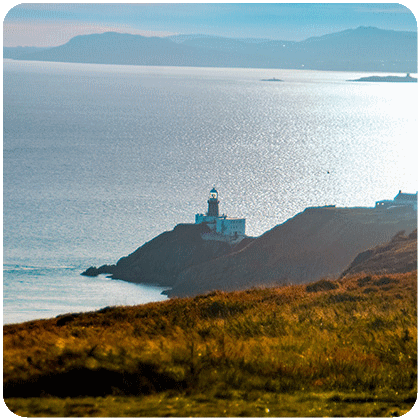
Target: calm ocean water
(99, 159)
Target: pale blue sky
(55, 23)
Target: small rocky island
(392, 79)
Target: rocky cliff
(316, 243)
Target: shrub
(383, 281)
(321, 286)
(364, 281)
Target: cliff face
(316, 243)
(399, 255)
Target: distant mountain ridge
(360, 49)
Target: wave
(28, 268)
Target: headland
(210, 255)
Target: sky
(52, 24)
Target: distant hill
(117, 48)
(399, 255)
(361, 49)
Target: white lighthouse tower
(223, 227)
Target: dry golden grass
(350, 336)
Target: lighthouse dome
(213, 194)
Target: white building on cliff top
(400, 200)
(221, 225)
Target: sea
(99, 159)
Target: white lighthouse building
(222, 227)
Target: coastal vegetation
(336, 347)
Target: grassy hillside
(335, 347)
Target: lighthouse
(224, 228)
(213, 202)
